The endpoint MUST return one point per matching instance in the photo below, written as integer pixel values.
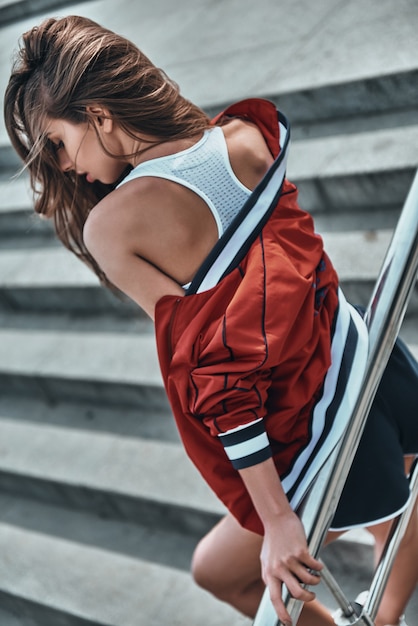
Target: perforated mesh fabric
(204, 168)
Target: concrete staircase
(99, 507)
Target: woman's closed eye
(57, 145)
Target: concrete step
(143, 481)
(14, 10)
(8, 619)
(381, 101)
(70, 569)
(17, 217)
(353, 172)
(122, 421)
(358, 257)
(167, 547)
(114, 368)
(15, 194)
(53, 280)
(28, 274)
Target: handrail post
(384, 316)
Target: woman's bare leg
(404, 576)
(226, 563)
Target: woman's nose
(64, 161)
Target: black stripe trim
(252, 459)
(243, 434)
(236, 260)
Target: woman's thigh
(228, 557)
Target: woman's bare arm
(285, 556)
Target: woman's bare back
(151, 235)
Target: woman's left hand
(285, 558)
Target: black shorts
(376, 487)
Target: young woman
(194, 220)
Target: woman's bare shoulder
(117, 215)
(115, 233)
(249, 154)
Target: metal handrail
(384, 316)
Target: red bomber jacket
(244, 356)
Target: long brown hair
(63, 66)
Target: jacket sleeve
(230, 398)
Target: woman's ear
(101, 118)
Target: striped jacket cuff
(247, 445)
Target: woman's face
(78, 149)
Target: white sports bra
(205, 169)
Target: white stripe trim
(374, 522)
(345, 314)
(237, 428)
(241, 450)
(283, 134)
(248, 225)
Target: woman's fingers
(286, 561)
(295, 579)
(298, 590)
(307, 575)
(275, 591)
